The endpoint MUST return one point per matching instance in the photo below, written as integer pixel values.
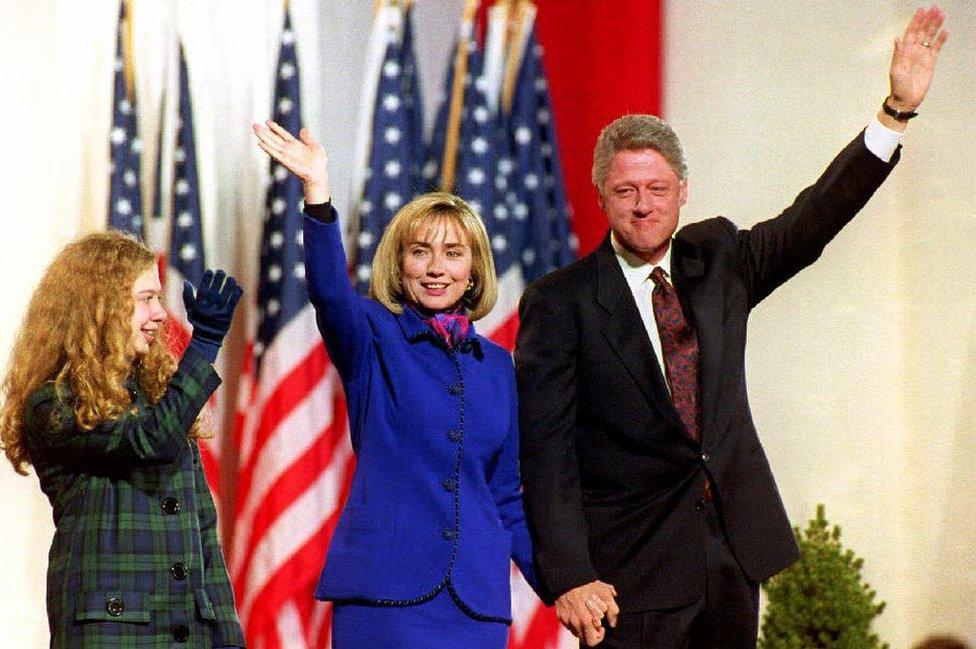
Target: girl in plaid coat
(109, 419)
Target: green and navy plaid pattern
(135, 560)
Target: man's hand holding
(582, 609)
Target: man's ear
(682, 192)
(600, 201)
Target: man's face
(148, 313)
(642, 197)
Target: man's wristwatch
(896, 115)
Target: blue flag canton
(186, 253)
(125, 192)
(547, 238)
(281, 286)
(392, 177)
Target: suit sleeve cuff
(322, 212)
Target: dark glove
(210, 311)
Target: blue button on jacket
(435, 501)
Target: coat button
(450, 485)
(170, 506)
(706, 457)
(450, 534)
(455, 435)
(181, 632)
(700, 505)
(115, 606)
(455, 389)
(178, 571)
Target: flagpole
(524, 12)
(457, 96)
(128, 61)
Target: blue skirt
(435, 624)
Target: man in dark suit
(645, 481)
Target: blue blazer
(436, 498)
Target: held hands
(913, 61)
(304, 157)
(210, 310)
(582, 609)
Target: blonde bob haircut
(425, 215)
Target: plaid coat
(135, 560)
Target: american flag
(393, 175)
(125, 192)
(294, 457)
(547, 241)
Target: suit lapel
(624, 331)
(703, 302)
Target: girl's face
(148, 313)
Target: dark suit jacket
(612, 481)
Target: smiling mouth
(435, 286)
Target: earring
(470, 285)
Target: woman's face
(435, 265)
(148, 313)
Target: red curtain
(603, 59)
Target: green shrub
(820, 602)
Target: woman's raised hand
(303, 156)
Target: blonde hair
(77, 333)
(431, 210)
(635, 132)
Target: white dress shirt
(637, 272)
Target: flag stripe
(281, 546)
(297, 342)
(292, 480)
(289, 394)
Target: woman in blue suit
(422, 552)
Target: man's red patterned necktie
(680, 348)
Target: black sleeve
(545, 362)
(322, 212)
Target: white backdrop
(861, 369)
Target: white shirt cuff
(881, 140)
